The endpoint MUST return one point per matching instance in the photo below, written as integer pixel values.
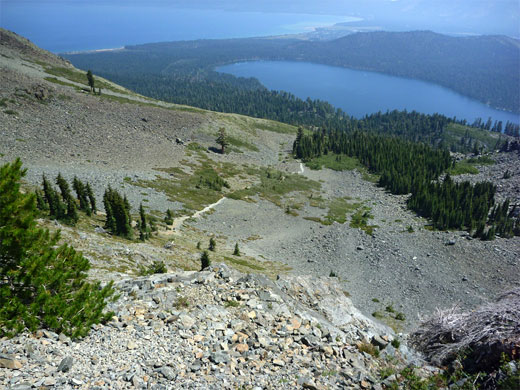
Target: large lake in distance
(64, 26)
(360, 92)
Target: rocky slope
(220, 328)
(217, 329)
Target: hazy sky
(446, 16)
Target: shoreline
(95, 50)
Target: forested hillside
(406, 167)
(178, 71)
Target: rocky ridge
(214, 329)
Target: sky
(444, 16)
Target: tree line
(63, 206)
(415, 168)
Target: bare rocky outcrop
(215, 329)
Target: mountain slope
(161, 155)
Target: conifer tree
(64, 188)
(91, 198)
(82, 196)
(168, 219)
(205, 261)
(72, 213)
(41, 285)
(40, 201)
(212, 244)
(118, 219)
(236, 252)
(57, 209)
(222, 140)
(143, 226)
(90, 79)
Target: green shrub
(212, 244)
(205, 261)
(41, 284)
(236, 252)
(400, 316)
(157, 267)
(368, 348)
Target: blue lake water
(61, 26)
(359, 93)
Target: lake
(62, 26)
(359, 92)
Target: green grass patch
(3, 102)
(193, 191)
(275, 127)
(11, 112)
(336, 162)
(468, 165)
(360, 220)
(455, 133)
(195, 147)
(238, 143)
(244, 263)
(481, 160)
(80, 77)
(462, 167)
(338, 210)
(60, 82)
(274, 185)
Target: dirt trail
(177, 222)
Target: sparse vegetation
(157, 267)
(181, 303)
(236, 251)
(212, 244)
(368, 348)
(205, 261)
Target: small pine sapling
(205, 261)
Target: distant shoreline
(94, 51)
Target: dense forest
(492, 78)
(410, 167)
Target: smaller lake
(359, 92)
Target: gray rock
(219, 357)
(66, 364)
(378, 341)
(167, 372)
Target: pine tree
(41, 285)
(72, 213)
(64, 188)
(236, 252)
(168, 219)
(82, 196)
(222, 140)
(57, 209)
(212, 244)
(91, 81)
(118, 219)
(143, 227)
(40, 201)
(91, 198)
(205, 261)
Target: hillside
(309, 265)
(492, 78)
